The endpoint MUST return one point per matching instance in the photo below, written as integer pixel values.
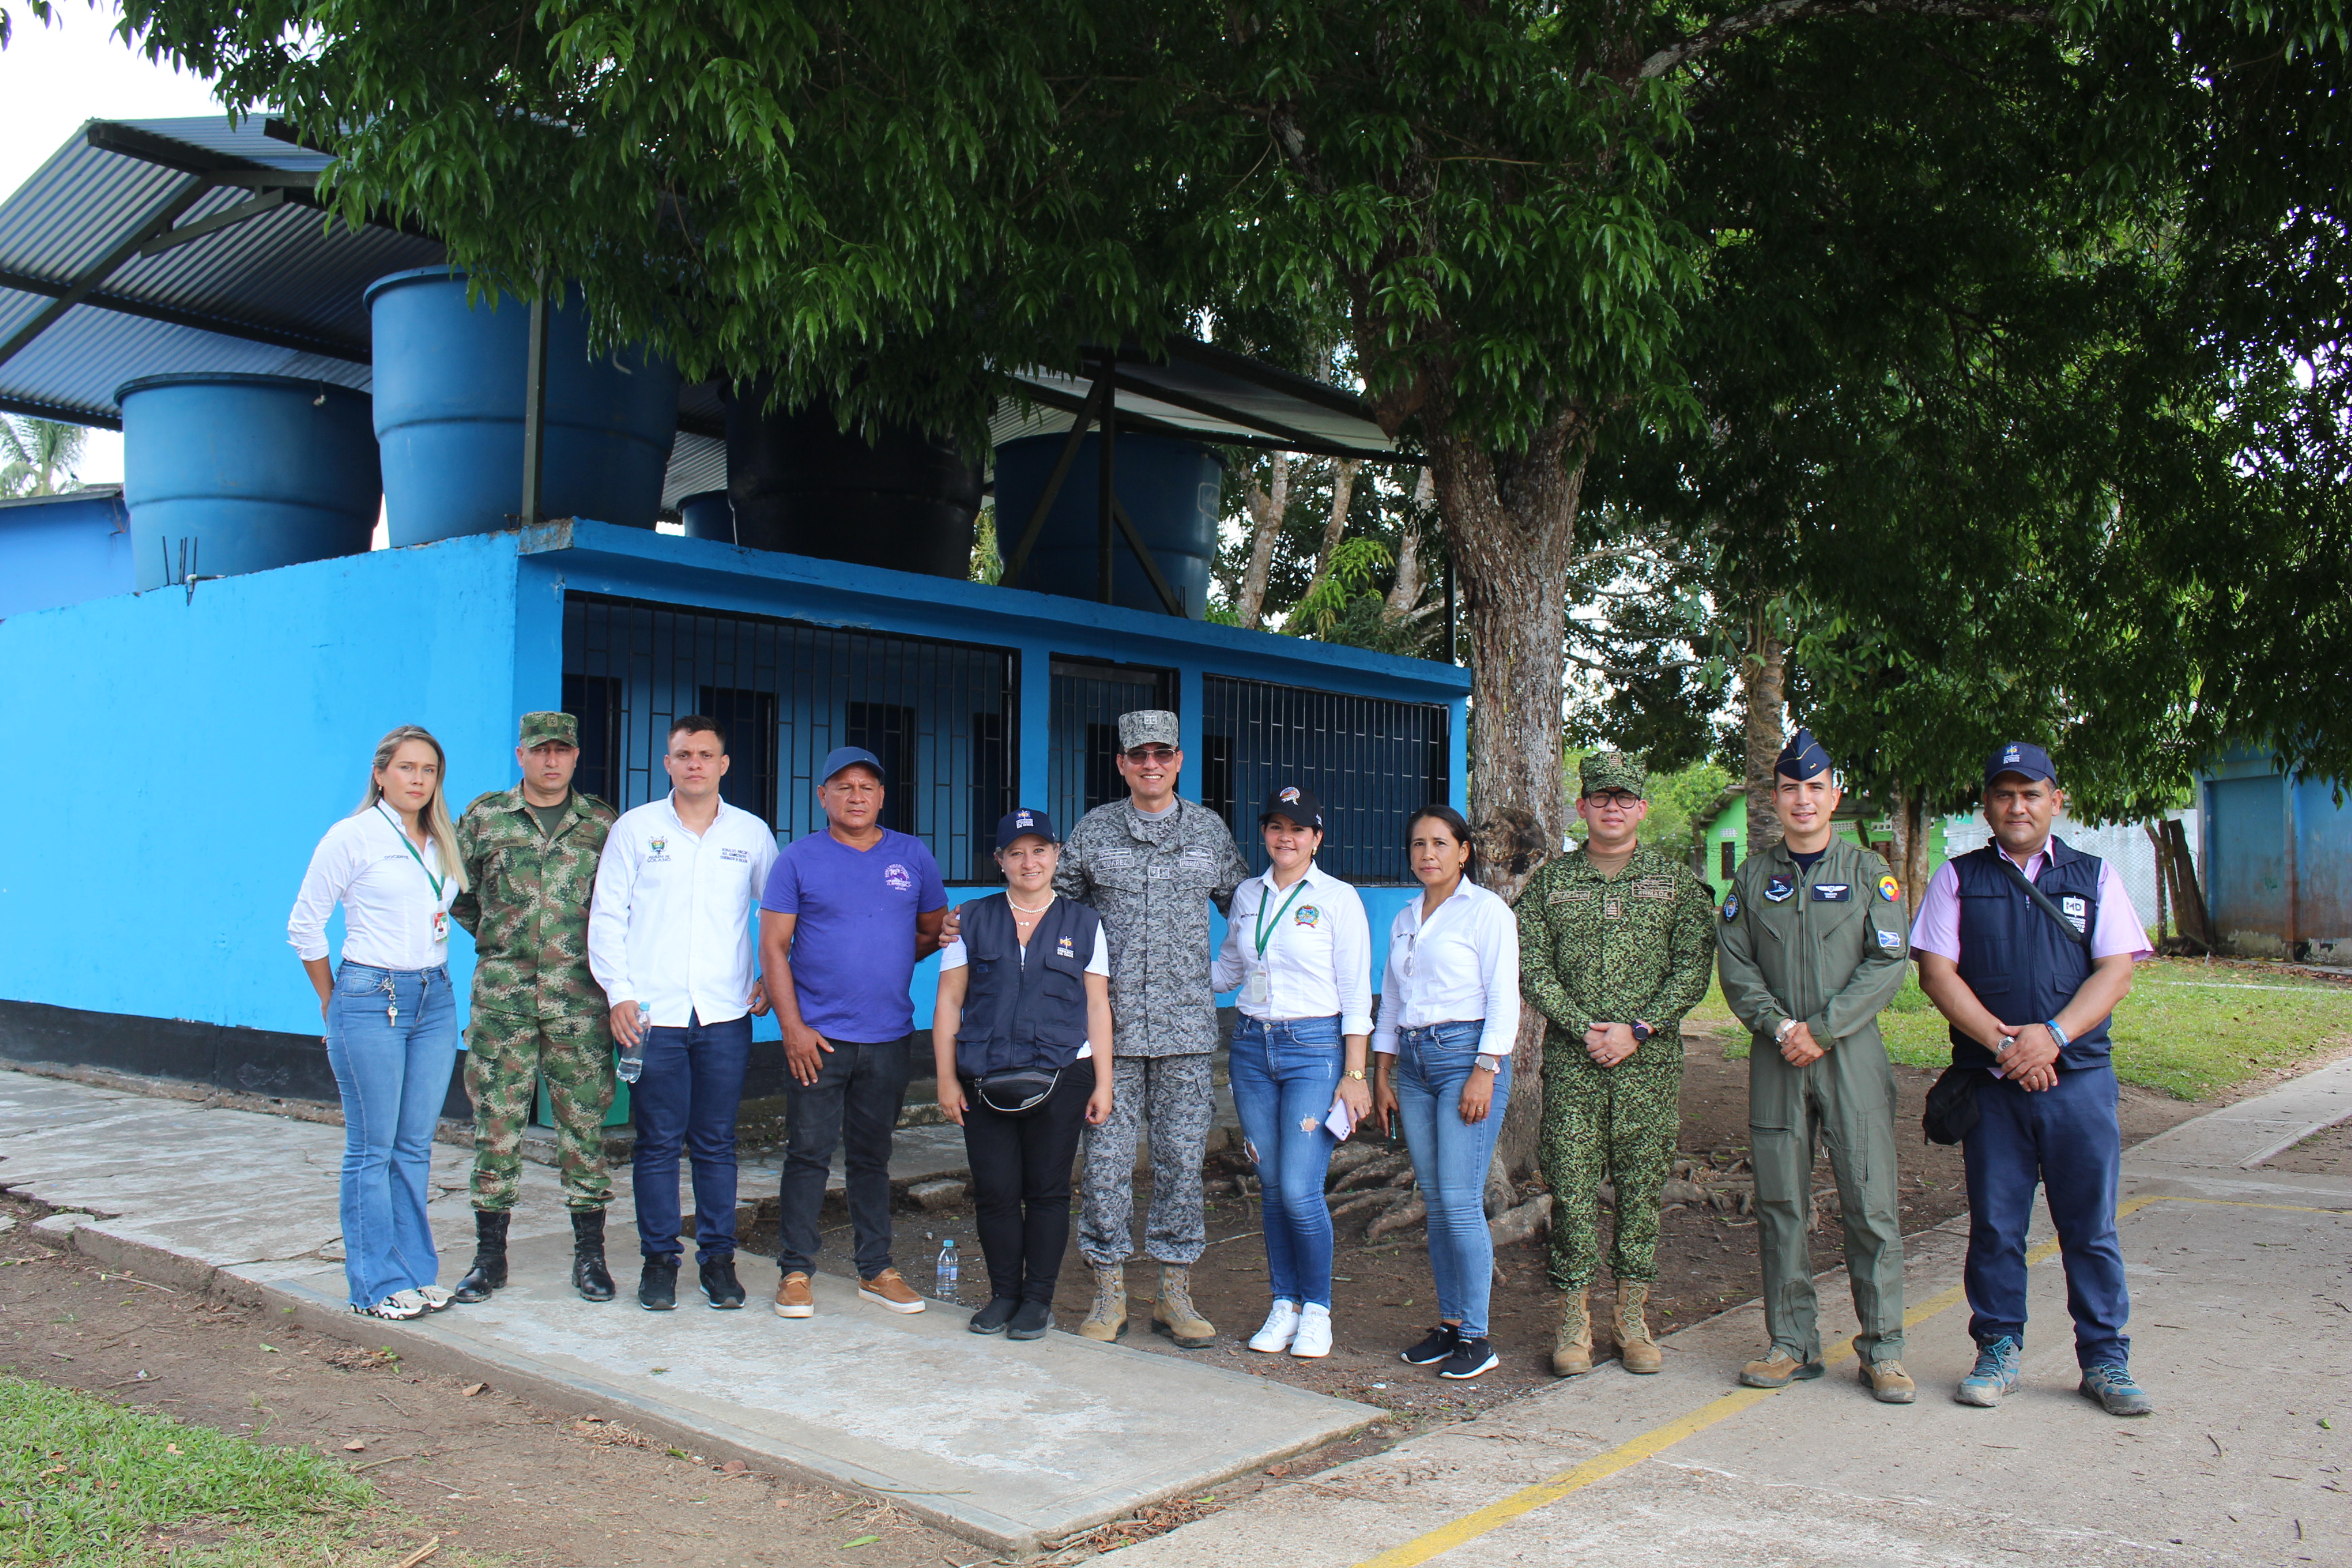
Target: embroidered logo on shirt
(744, 854)
(1305, 915)
(1832, 892)
(897, 878)
(1573, 896)
(1197, 852)
(1062, 949)
(1731, 907)
(1891, 940)
(1655, 888)
(1779, 888)
(657, 845)
(2077, 911)
(1889, 889)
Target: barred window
(939, 715)
(1088, 696)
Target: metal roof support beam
(1143, 424)
(160, 217)
(1087, 411)
(251, 331)
(1185, 400)
(1160, 585)
(32, 408)
(268, 201)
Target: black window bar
(940, 715)
(1372, 761)
(1083, 732)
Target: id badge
(1256, 991)
(440, 925)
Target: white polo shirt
(671, 925)
(1317, 960)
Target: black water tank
(799, 483)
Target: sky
(51, 80)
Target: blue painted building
(2276, 853)
(63, 549)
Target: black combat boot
(589, 1275)
(490, 1270)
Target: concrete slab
(1007, 1444)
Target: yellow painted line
(1656, 1440)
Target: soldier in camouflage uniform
(530, 857)
(1151, 866)
(1616, 942)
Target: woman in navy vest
(1022, 1041)
(1297, 948)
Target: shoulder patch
(1778, 889)
(1889, 889)
(1732, 905)
(1891, 940)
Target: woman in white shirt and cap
(1297, 947)
(1449, 1008)
(391, 1019)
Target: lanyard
(1264, 935)
(439, 882)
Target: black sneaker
(720, 1284)
(658, 1286)
(1436, 1347)
(1031, 1320)
(1470, 1358)
(992, 1318)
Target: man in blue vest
(2025, 946)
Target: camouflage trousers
(1617, 1121)
(505, 1059)
(1171, 1099)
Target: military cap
(2023, 758)
(1802, 757)
(1604, 771)
(1147, 727)
(544, 729)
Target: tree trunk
(1509, 520)
(1343, 491)
(2163, 879)
(1767, 715)
(1267, 509)
(1404, 593)
(1908, 810)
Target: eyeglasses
(1152, 754)
(1624, 800)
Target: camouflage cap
(1603, 771)
(1147, 727)
(539, 729)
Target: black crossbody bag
(1952, 1104)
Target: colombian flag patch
(1889, 889)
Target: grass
(2190, 1029)
(85, 1484)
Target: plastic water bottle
(949, 1267)
(632, 1065)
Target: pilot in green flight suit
(1813, 944)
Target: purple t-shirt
(853, 945)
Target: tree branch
(1776, 12)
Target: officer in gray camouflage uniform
(530, 855)
(1149, 866)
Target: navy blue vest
(1019, 1015)
(2021, 966)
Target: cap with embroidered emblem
(545, 729)
(2023, 758)
(1025, 822)
(1296, 802)
(1802, 757)
(1601, 771)
(1149, 727)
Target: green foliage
(38, 457)
(1356, 566)
(987, 558)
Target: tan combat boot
(1175, 1315)
(1889, 1382)
(1635, 1349)
(1571, 1354)
(1108, 1318)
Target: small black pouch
(1016, 1092)
(1951, 1105)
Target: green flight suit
(1637, 945)
(1830, 948)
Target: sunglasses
(1152, 754)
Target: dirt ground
(2327, 1153)
(1382, 1298)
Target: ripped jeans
(1285, 1072)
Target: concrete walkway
(2243, 1333)
(1007, 1444)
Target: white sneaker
(1314, 1337)
(400, 1306)
(1281, 1323)
(435, 1298)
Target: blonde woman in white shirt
(1300, 950)
(391, 1019)
(1449, 1008)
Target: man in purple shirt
(847, 914)
(2025, 946)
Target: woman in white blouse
(1297, 947)
(1449, 1008)
(392, 1023)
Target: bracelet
(2006, 1041)
(2057, 1033)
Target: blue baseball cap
(842, 757)
(1023, 823)
(2024, 759)
(1802, 757)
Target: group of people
(1077, 1016)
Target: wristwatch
(1356, 1073)
(1781, 1035)
(1642, 1032)
(1492, 1064)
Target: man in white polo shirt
(669, 938)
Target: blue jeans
(1450, 1157)
(392, 1038)
(693, 1082)
(2067, 1141)
(1285, 1073)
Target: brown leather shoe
(1635, 1349)
(1778, 1370)
(1889, 1382)
(1571, 1354)
(793, 1296)
(888, 1290)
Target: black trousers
(1021, 1183)
(853, 1105)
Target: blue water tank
(708, 516)
(247, 472)
(1174, 489)
(449, 406)
(60, 550)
